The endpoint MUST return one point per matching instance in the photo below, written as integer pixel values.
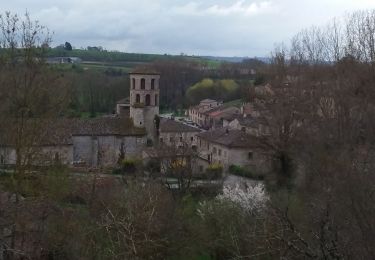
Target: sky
(245, 28)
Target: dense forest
(318, 203)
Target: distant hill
(116, 56)
(235, 59)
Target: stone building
(255, 126)
(196, 113)
(176, 133)
(123, 107)
(86, 142)
(216, 117)
(144, 99)
(99, 141)
(233, 147)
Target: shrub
(214, 171)
(243, 172)
(127, 166)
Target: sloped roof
(223, 111)
(145, 71)
(169, 125)
(230, 138)
(124, 101)
(60, 131)
(106, 126)
(207, 100)
(252, 121)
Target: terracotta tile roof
(230, 138)
(222, 111)
(169, 125)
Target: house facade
(197, 113)
(173, 133)
(228, 147)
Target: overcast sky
(195, 27)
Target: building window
(2, 160)
(143, 83)
(219, 152)
(148, 100)
(194, 147)
(214, 150)
(200, 168)
(180, 138)
(161, 140)
(153, 84)
(171, 139)
(133, 83)
(137, 98)
(250, 155)
(156, 100)
(192, 138)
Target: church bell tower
(144, 99)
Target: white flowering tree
(253, 198)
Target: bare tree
(31, 95)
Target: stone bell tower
(144, 99)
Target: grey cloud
(205, 27)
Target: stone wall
(138, 117)
(105, 150)
(253, 159)
(44, 155)
(178, 138)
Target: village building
(173, 133)
(123, 107)
(228, 147)
(254, 126)
(85, 142)
(215, 117)
(196, 113)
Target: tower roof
(144, 71)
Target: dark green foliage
(224, 90)
(68, 46)
(127, 166)
(259, 80)
(94, 92)
(244, 172)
